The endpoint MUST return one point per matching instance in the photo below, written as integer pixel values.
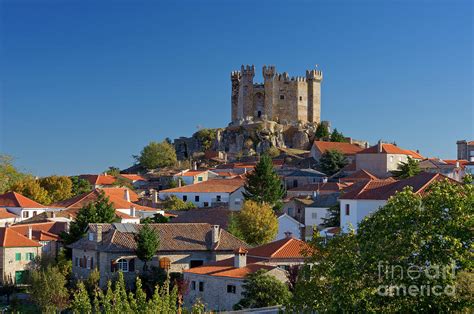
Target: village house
(383, 158)
(7, 218)
(21, 206)
(99, 180)
(111, 248)
(347, 149)
(219, 285)
(293, 178)
(454, 169)
(366, 197)
(465, 150)
(314, 189)
(210, 193)
(194, 176)
(288, 225)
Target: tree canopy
(9, 174)
(332, 161)
(409, 256)
(263, 185)
(322, 131)
(31, 188)
(256, 223)
(80, 186)
(407, 169)
(175, 203)
(59, 188)
(337, 136)
(148, 242)
(157, 155)
(263, 290)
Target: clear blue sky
(86, 84)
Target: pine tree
(407, 169)
(108, 299)
(132, 301)
(155, 305)
(140, 296)
(263, 185)
(322, 131)
(96, 302)
(81, 302)
(331, 162)
(337, 136)
(147, 244)
(120, 295)
(334, 217)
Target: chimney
(132, 211)
(126, 195)
(195, 166)
(367, 145)
(379, 146)
(457, 163)
(240, 257)
(54, 215)
(98, 237)
(30, 232)
(154, 197)
(215, 234)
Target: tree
(30, 187)
(148, 243)
(322, 131)
(206, 137)
(113, 171)
(262, 290)
(263, 185)
(418, 241)
(257, 223)
(334, 217)
(157, 155)
(48, 290)
(233, 226)
(156, 219)
(140, 297)
(100, 211)
(337, 136)
(175, 203)
(80, 186)
(81, 302)
(467, 179)
(58, 187)
(8, 287)
(407, 169)
(9, 175)
(332, 161)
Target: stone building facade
(279, 98)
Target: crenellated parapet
(235, 75)
(248, 70)
(315, 75)
(268, 72)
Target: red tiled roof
(454, 161)
(133, 177)
(391, 149)
(11, 238)
(210, 186)
(43, 231)
(228, 270)
(359, 175)
(288, 248)
(345, 148)
(470, 143)
(190, 173)
(13, 199)
(98, 179)
(4, 214)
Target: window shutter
(131, 265)
(112, 266)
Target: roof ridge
(282, 246)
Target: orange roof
(470, 143)
(454, 161)
(210, 186)
(43, 231)
(11, 238)
(133, 177)
(4, 214)
(98, 179)
(288, 248)
(391, 149)
(215, 269)
(345, 148)
(359, 175)
(190, 173)
(13, 199)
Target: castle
(280, 98)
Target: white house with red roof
(22, 207)
(366, 197)
(347, 149)
(383, 158)
(219, 285)
(189, 176)
(209, 193)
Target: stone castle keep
(280, 98)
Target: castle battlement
(280, 97)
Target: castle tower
(235, 79)
(314, 78)
(268, 77)
(246, 92)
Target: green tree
(233, 226)
(100, 211)
(81, 302)
(263, 185)
(407, 169)
(157, 155)
(30, 187)
(175, 203)
(332, 161)
(148, 242)
(121, 304)
(256, 223)
(113, 171)
(58, 187)
(140, 297)
(156, 219)
(262, 290)
(334, 216)
(48, 289)
(322, 131)
(337, 136)
(414, 240)
(80, 186)
(467, 179)
(206, 137)
(9, 175)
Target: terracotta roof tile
(13, 199)
(210, 186)
(228, 271)
(287, 248)
(359, 175)
(190, 173)
(391, 149)
(345, 148)
(47, 231)
(11, 238)
(133, 177)
(5, 214)
(98, 179)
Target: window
(76, 262)
(291, 211)
(206, 204)
(195, 263)
(122, 265)
(314, 215)
(237, 201)
(91, 236)
(185, 198)
(26, 214)
(391, 158)
(199, 179)
(301, 97)
(193, 285)
(201, 286)
(218, 198)
(259, 114)
(30, 256)
(231, 289)
(282, 96)
(17, 256)
(348, 209)
(196, 198)
(34, 213)
(295, 183)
